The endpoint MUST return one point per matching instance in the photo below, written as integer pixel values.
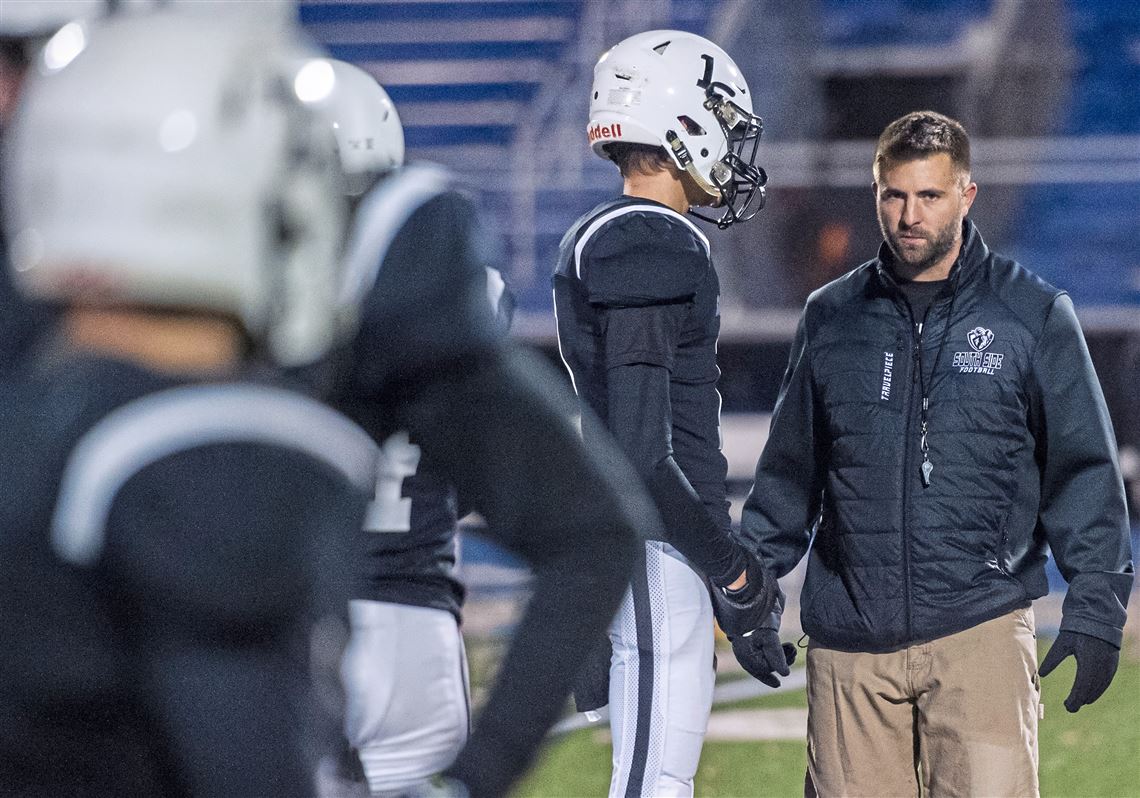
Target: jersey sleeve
(429, 304)
(642, 259)
(646, 335)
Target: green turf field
(1095, 752)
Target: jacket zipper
(916, 366)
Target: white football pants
(406, 689)
(661, 678)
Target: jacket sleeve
(1082, 513)
(785, 500)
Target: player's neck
(171, 343)
(664, 187)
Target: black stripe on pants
(643, 620)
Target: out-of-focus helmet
(364, 121)
(165, 160)
(680, 91)
(31, 19)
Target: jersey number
(706, 80)
(390, 510)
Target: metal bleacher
(497, 90)
(897, 23)
(1080, 234)
(468, 77)
(480, 83)
(461, 73)
(1072, 152)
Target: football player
(637, 304)
(170, 533)
(430, 375)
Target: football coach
(939, 424)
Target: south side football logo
(980, 338)
(978, 361)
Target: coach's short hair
(921, 134)
(638, 159)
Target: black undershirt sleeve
(499, 428)
(640, 343)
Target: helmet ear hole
(691, 126)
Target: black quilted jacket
(1021, 451)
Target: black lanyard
(927, 467)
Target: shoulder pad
(640, 255)
(156, 426)
(380, 217)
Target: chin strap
(686, 160)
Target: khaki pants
(956, 716)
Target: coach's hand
(760, 653)
(740, 611)
(1096, 665)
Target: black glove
(740, 611)
(761, 654)
(1096, 665)
(592, 687)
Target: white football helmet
(364, 121)
(164, 160)
(680, 91)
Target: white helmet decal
(680, 91)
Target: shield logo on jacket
(980, 338)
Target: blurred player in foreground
(637, 300)
(170, 533)
(431, 377)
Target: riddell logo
(603, 132)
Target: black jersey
(418, 259)
(637, 302)
(163, 552)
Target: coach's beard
(920, 259)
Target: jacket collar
(970, 258)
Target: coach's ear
(969, 193)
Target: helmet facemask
(735, 178)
